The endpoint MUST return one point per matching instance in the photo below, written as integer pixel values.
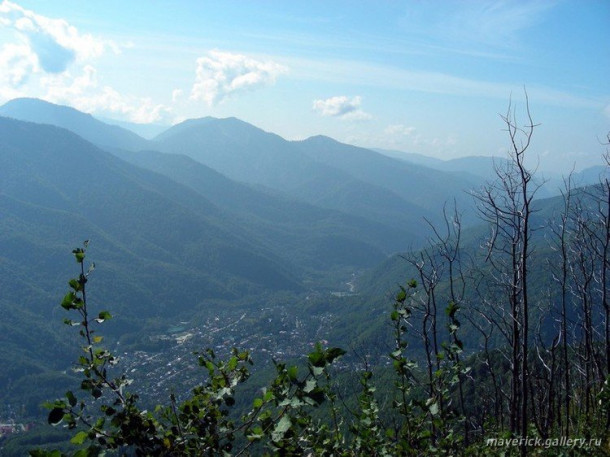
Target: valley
(216, 234)
(328, 229)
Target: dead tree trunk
(506, 205)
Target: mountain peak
(229, 127)
(83, 124)
(320, 139)
(32, 108)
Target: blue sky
(420, 76)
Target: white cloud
(342, 107)
(62, 87)
(84, 93)
(47, 45)
(220, 74)
(176, 95)
(139, 110)
(16, 64)
(52, 60)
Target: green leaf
(256, 434)
(67, 302)
(293, 372)
(103, 316)
(310, 385)
(75, 284)
(294, 402)
(333, 353)
(78, 303)
(317, 395)
(317, 371)
(317, 357)
(71, 398)
(401, 296)
(79, 438)
(55, 416)
(432, 405)
(268, 396)
(258, 402)
(79, 254)
(281, 428)
(451, 309)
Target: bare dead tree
(604, 212)
(598, 232)
(486, 326)
(559, 270)
(440, 263)
(506, 205)
(543, 381)
(448, 245)
(582, 271)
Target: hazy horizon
(402, 76)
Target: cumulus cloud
(84, 93)
(52, 60)
(342, 107)
(220, 74)
(16, 64)
(47, 45)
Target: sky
(427, 77)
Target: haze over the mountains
(281, 211)
(313, 171)
(268, 175)
(399, 75)
(212, 216)
(218, 203)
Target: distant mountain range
(308, 171)
(483, 167)
(292, 201)
(209, 212)
(84, 125)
